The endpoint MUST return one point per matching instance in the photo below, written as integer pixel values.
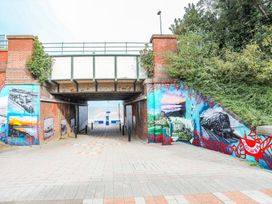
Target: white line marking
(258, 196)
(181, 199)
(87, 201)
(223, 198)
(139, 200)
(171, 200)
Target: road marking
(139, 200)
(258, 196)
(181, 199)
(223, 198)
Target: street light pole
(159, 13)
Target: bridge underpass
(98, 72)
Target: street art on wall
(63, 127)
(48, 128)
(73, 124)
(185, 115)
(19, 114)
(22, 100)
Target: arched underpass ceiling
(98, 96)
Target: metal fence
(3, 42)
(100, 48)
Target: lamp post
(159, 13)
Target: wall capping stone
(20, 36)
(164, 36)
(264, 130)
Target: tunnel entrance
(105, 114)
(108, 118)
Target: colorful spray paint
(185, 115)
(20, 113)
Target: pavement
(105, 168)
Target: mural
(178, 113)
(19, 114)
(73, 124)
(63, 126)
(48, 128)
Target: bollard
(76, 131)
(123, 130)
(129, 134)
(86, 129)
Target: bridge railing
(85, 48)
(3, 44)
(83, 67)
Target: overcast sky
(89, 20)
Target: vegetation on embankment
(225, 52)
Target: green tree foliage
(40, 63)
(225, 52)
(147, 60)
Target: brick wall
(161, 44)
(3, 66)
(139, 111)
(19, 51)
(3, 60)
(56, 112)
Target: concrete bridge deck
(104, 165)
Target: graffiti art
(48, 128)
(19, 111)
(178, 111)
(22, 100)
(63, 127)
(73, 124)
(22, 130)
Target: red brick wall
(57, 111)
(19, 51)
(139, 110)
(3, 66)
(161, 44)
(3, 60)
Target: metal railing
(3, 44)
(92, 48)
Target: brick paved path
(106, 168)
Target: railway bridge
(81, 72)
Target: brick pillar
(3, 66)
(19, 51)
(161, 44)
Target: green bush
(147, 60)
(216, 59)
(40, 63)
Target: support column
(3, 65)
(19, 51)
(160, 45)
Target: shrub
(40, 63)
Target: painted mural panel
(20, 111)
(63, 127)
(22, 130)
(73, 122)
(22, 100)
(185, 115)
(48, 128)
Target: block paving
(104, 167)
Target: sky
(89, 20)
(97, 110)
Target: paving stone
(105, 165)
